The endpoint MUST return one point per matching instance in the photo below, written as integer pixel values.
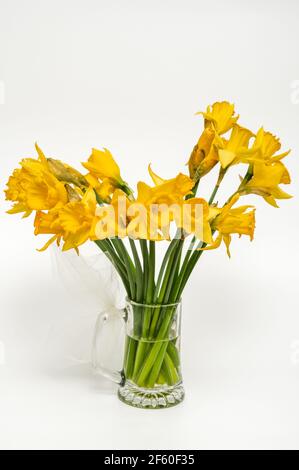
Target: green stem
(167, 272)
(171, 246)
(139, 273)
(156, 354)
(152, 264)
(157, 311)
(130, 268)
(174, 269)
(139, 313)
(155, 370)
(171, 370)
(108, 250)
(143, 246)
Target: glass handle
(108, 344)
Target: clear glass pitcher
(150, 375)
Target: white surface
(130, 75)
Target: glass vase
(150, 376)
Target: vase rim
(141, 304)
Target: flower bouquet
(101, 207)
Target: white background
(130, 75)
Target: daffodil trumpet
(72, 207)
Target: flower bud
(66, 173)
(201, 151)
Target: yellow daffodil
(235, 149)
(166, 191)
(48, 223)
(104, 189)
(74, 208)
(165, 203)
(149, 216)
(92, 180)
(221, 116)
(122, 218)
(34, 187)
(147, 224)
(74, 223)
(149, 220)
(77, 220)
(193, 217)
(204, 155)
(112, 219)
(208, 162)
(157, 180)
(181, 184)
(265, 182)
(228, 221)
(268, 144)
(161, 203)
(61, 170)
(102, 165)
(266, 171)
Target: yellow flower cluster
(149, 216)
(241, 146)
(74, 208)
(34, 187)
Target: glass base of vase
(160, 397)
